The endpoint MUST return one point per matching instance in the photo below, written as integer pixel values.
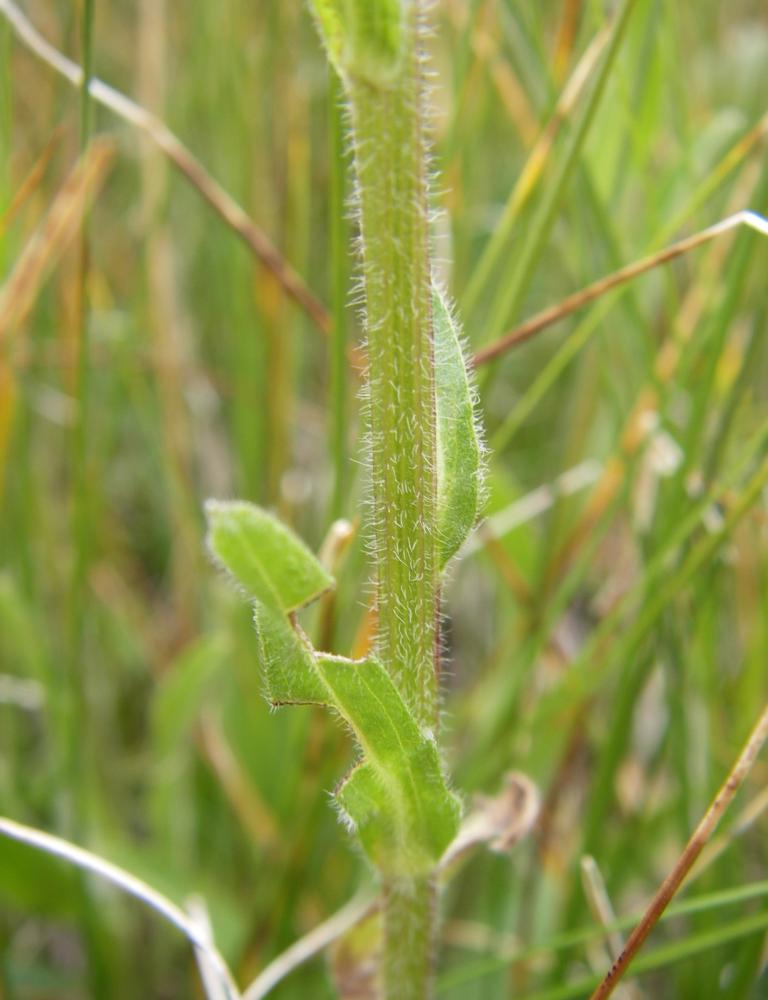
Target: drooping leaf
(459, 449)
(396, 798)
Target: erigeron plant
(425, 462)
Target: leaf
(459, 447)
(364, 39)
(396, 798)
(264, 556)
(288, 659)
(328, 18)
(280, 574)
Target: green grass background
(615, 652)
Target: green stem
(390, 158)
(338, 347)
(409, 916)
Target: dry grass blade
(209, 972)
(222, 202)
(553, 314)
(89, 862)
(565, 40)
(7, 406)
(256, 818)
(32, 181)
(18, 293)
(309, 946)
(532, 504)
(57, 230)
(692, 850)
(485, 43)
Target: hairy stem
(390, 156)
(390, 159)
(409, 916)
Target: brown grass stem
(211, 191)
(692, 850)
(553, 314)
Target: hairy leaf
(264, 556)
(280, 574)
(459, 449)
(396, 798)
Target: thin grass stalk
(165, 320)
(531, 174)
(511, 293)
(79, 737)
(693, 849)
(81, 501)
(225, 206)
(577, 300)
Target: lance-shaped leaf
(396, 798)
(363, 38)
(459, 449)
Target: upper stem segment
(390, 156)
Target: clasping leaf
(459, 446)
(396, 797)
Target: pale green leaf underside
(396, 797)
(364, 38)
(459, 451)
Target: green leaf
(459, 447)
(182, 693)
(288, 658)
(396, 798)
(280, 574)
(265, 557)
(364, 38)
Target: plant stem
(338, 345)
(390, 159)
(409, 916)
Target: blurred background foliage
(607, 633)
